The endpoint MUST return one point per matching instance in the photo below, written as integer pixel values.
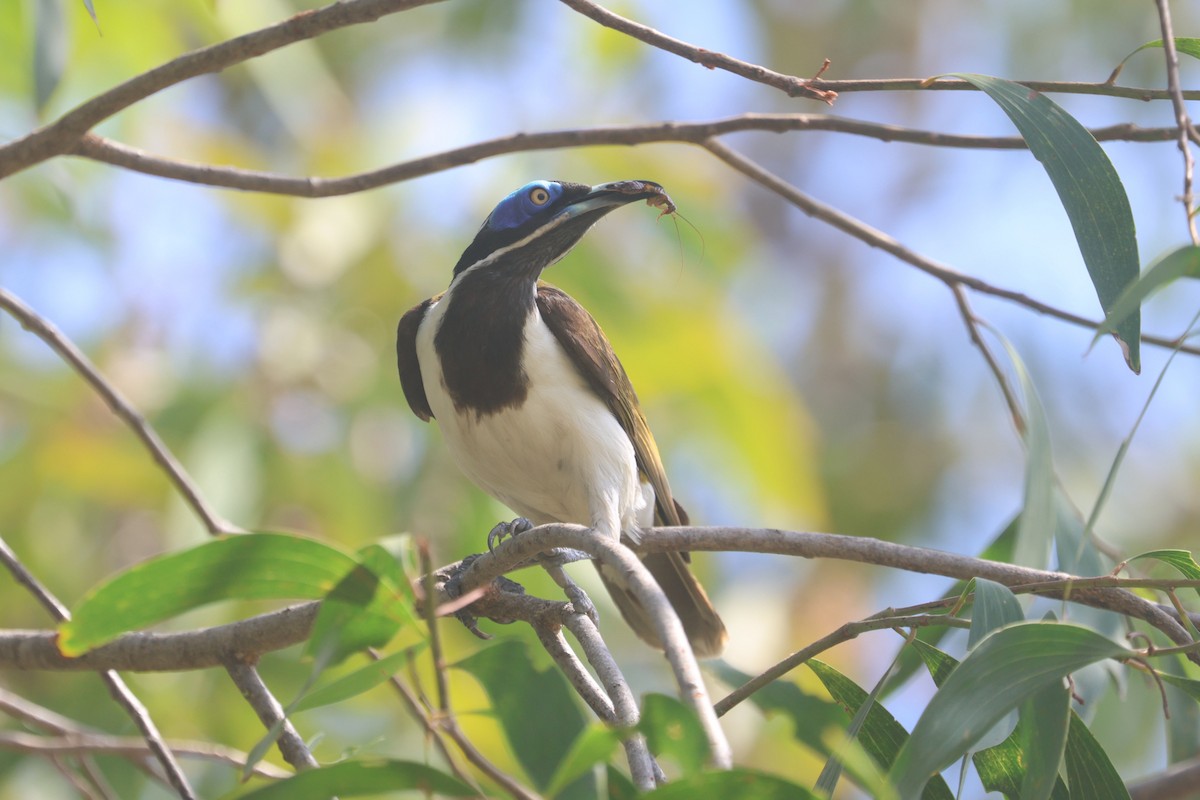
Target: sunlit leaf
(595, 745)
(1090, 190)
(1007, 667)
(673, 730)
(1182, 263)
(539, 740)
(254, 566)
(363, 610)
(361, 777)
(734, 784)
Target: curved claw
(504, 530)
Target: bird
(533, 404)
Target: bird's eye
(539, 196)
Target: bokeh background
(795, 378)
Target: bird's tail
(703, 625)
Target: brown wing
(406, 359)
(593, 356)
(581, 337)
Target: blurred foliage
(794, 378)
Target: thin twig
(877, 238)
(793, 86)
(580, 679)
(45, 330)
(128, 747)
(1186, 133)
(116, 687)
(958, 85)
(972, 323)
(97, 148)
(847, 632)
(418, 712)
(270, 712)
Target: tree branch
(60, 136)
(791, 85)
(98, 148)
(270, 712)
(117, 688)
(1186, 132)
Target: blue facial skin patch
(520, 206)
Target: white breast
(559, 457)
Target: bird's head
(539, 223)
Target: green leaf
(1182, 263)
(1047, 714)
(1090, 190)
(355, 683)
(252, 566)
(734, 784)
(594, 746)
(1181, 560)
(50, 45)
(811, 716)
(1182, 696)
(1007, 667)
(1190, 47)
(995, 607)
(619, 785)
(1000, 768)
(361, 777)
(362, 611)
(672, 729)
(1089, 770)
(881, 735)
(536, 708)
(1039, 515)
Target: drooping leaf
(1182, 263)
(1089, 769)
(811, 716)
(1000, 768)
(1089, 188)
(1182, 696)
(51, 39)
(1005, 669)
(880, 734)
(673, 730)
(995, 607)
(1047, 714)
(539, 740)
(1039, 516)
(734, 784)
(253, 566)
(361, 777)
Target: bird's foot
(507, 530)
(453, 588)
